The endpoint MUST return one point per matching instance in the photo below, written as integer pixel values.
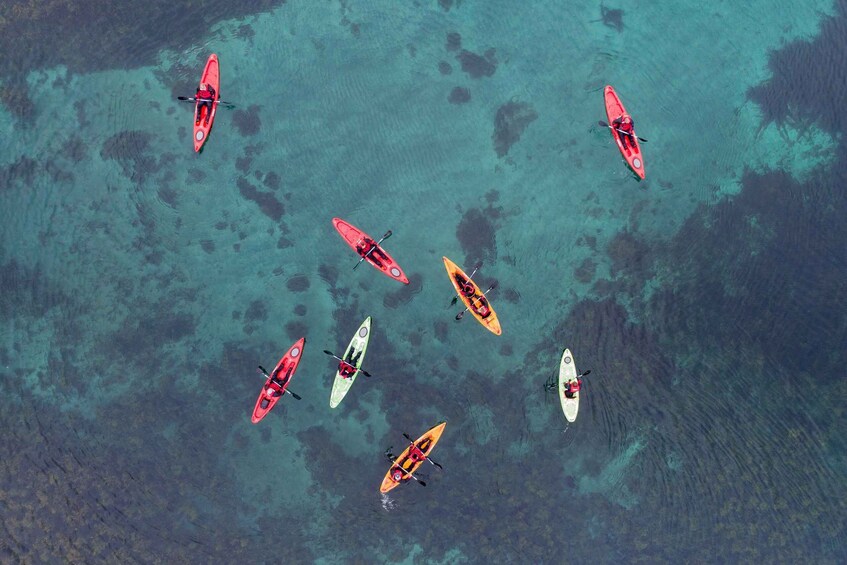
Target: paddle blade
(460, 315)
(423, 484)
(585, 373)
(436, 464)
(297, 396)
(604, 124)
(387, 234)
(330, 353)
(263, 371)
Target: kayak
(356, 350)
(379, 258)
(404, 465)
(473, 297)
(632, 153)
(273, 390)
(567, 373)
(211, 75)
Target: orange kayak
(211, 75)
(405, 465)
(473, 297)
(632, 152)
(278, 381)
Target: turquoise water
(141, 284)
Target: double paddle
(264, 372)
(331, 354)
(551, 384)
(372, 249)
(229, 105)
(605, 125)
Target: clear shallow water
(142, 284)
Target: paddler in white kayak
(347, 368)
(573, 387)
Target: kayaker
(205, 96)
(467, 288)
(369, 248)
(398, 475)
(626, 129)
(415, 454)
(348, 368)
(573, 387)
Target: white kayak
(567, 373)
(356, 350)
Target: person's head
(204, 86)
(626, 120)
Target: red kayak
(211, 75)
(632, 152)
(278, 381)
(362, 243)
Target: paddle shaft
(554, 383)
(623, 132)
(191, 99)
(372, 249)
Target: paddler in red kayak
(280, 383)
(625, 128)
(205, 96)
(367, 247)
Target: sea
(141, 283)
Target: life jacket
(480, 306)
(397, 474)
(468, 289)
(346, 369)
(208, 94)
(574, 386)
(365, 246)
(415, 454)
(626, 125)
